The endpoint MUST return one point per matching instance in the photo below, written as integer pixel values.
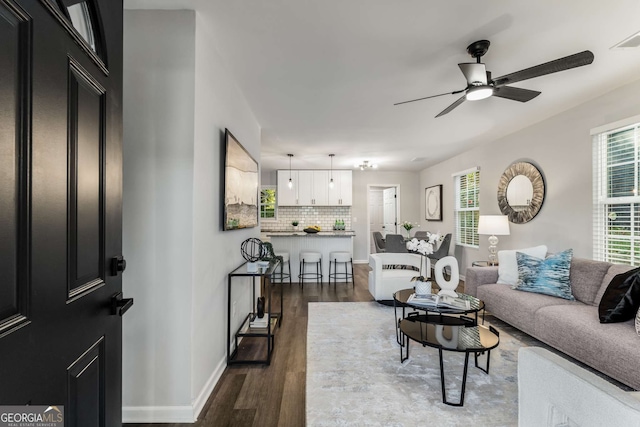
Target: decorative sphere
(251, 249)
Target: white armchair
(383, 282)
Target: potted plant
(423, 285)
(295, 224)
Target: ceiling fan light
(479, 92)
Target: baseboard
(463, 278)
(361, 261)
(175, 414)
(157, 414)
(208, 387)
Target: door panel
(86, 181)
(15, 54)
(86, 384)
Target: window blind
(467, 207)
(616, 203)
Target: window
(616, 203)
(467, 207)
(268, 202)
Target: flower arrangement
(408, 226)
(423, 247)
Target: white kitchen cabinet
(342, 192)
(314, 188)
(287, 196)
(311, 188)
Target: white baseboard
(208, 387)
(361, 261)
(175, 414)
(157, 414)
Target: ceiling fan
(480, 85)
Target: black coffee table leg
(404, 344)
(464, 380)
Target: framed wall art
(433, 203)
(240, 186)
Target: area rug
(354, 375)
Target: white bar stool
(341, 257)
(308, 258)
(281, 275)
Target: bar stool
(281, 275)
(341, 257)
(307, 258)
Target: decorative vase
(423, 288)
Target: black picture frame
(433, 203)
(241, 192)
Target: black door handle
(120, 305)
(118, 264)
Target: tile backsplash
(324, 216)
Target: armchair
(383, 282)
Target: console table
(245, 329)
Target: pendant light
(331, 176)
(290, 184)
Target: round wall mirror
(521, 192)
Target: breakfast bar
(324, 242)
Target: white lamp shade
(494, 225)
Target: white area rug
(354, 375)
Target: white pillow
(508, 266)
(638, 322)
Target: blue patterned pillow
(548, 276)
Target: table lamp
(493, 225)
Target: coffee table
(447, 330)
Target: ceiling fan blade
(515, 93)
(474, 73)
(452, 106)
(566, 63)
(432, 96)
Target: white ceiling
(321, 76)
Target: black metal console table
(245, 329)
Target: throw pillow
(638, 322)
(548, 276)
(508, 266)
(621, 299)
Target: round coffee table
(446, 329)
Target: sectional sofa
(572, 327)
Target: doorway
(383, 211)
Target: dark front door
(60, 207)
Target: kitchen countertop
(331, 233)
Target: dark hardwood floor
(274, 395)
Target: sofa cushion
(577, 331)
(515, 307)
(586, 277)
(621, 299)
(613, 271)
(394, 273)
(548, 276)
(508, 266)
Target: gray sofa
(572, 327)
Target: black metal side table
(245, 329)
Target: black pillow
(621, 300)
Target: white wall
(561, 148)
(178, 99)
(409, 204)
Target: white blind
(616, 203)
(467, 207)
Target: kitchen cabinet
(342, 192)
(314, 188)
(311, 188)
(287, 196)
